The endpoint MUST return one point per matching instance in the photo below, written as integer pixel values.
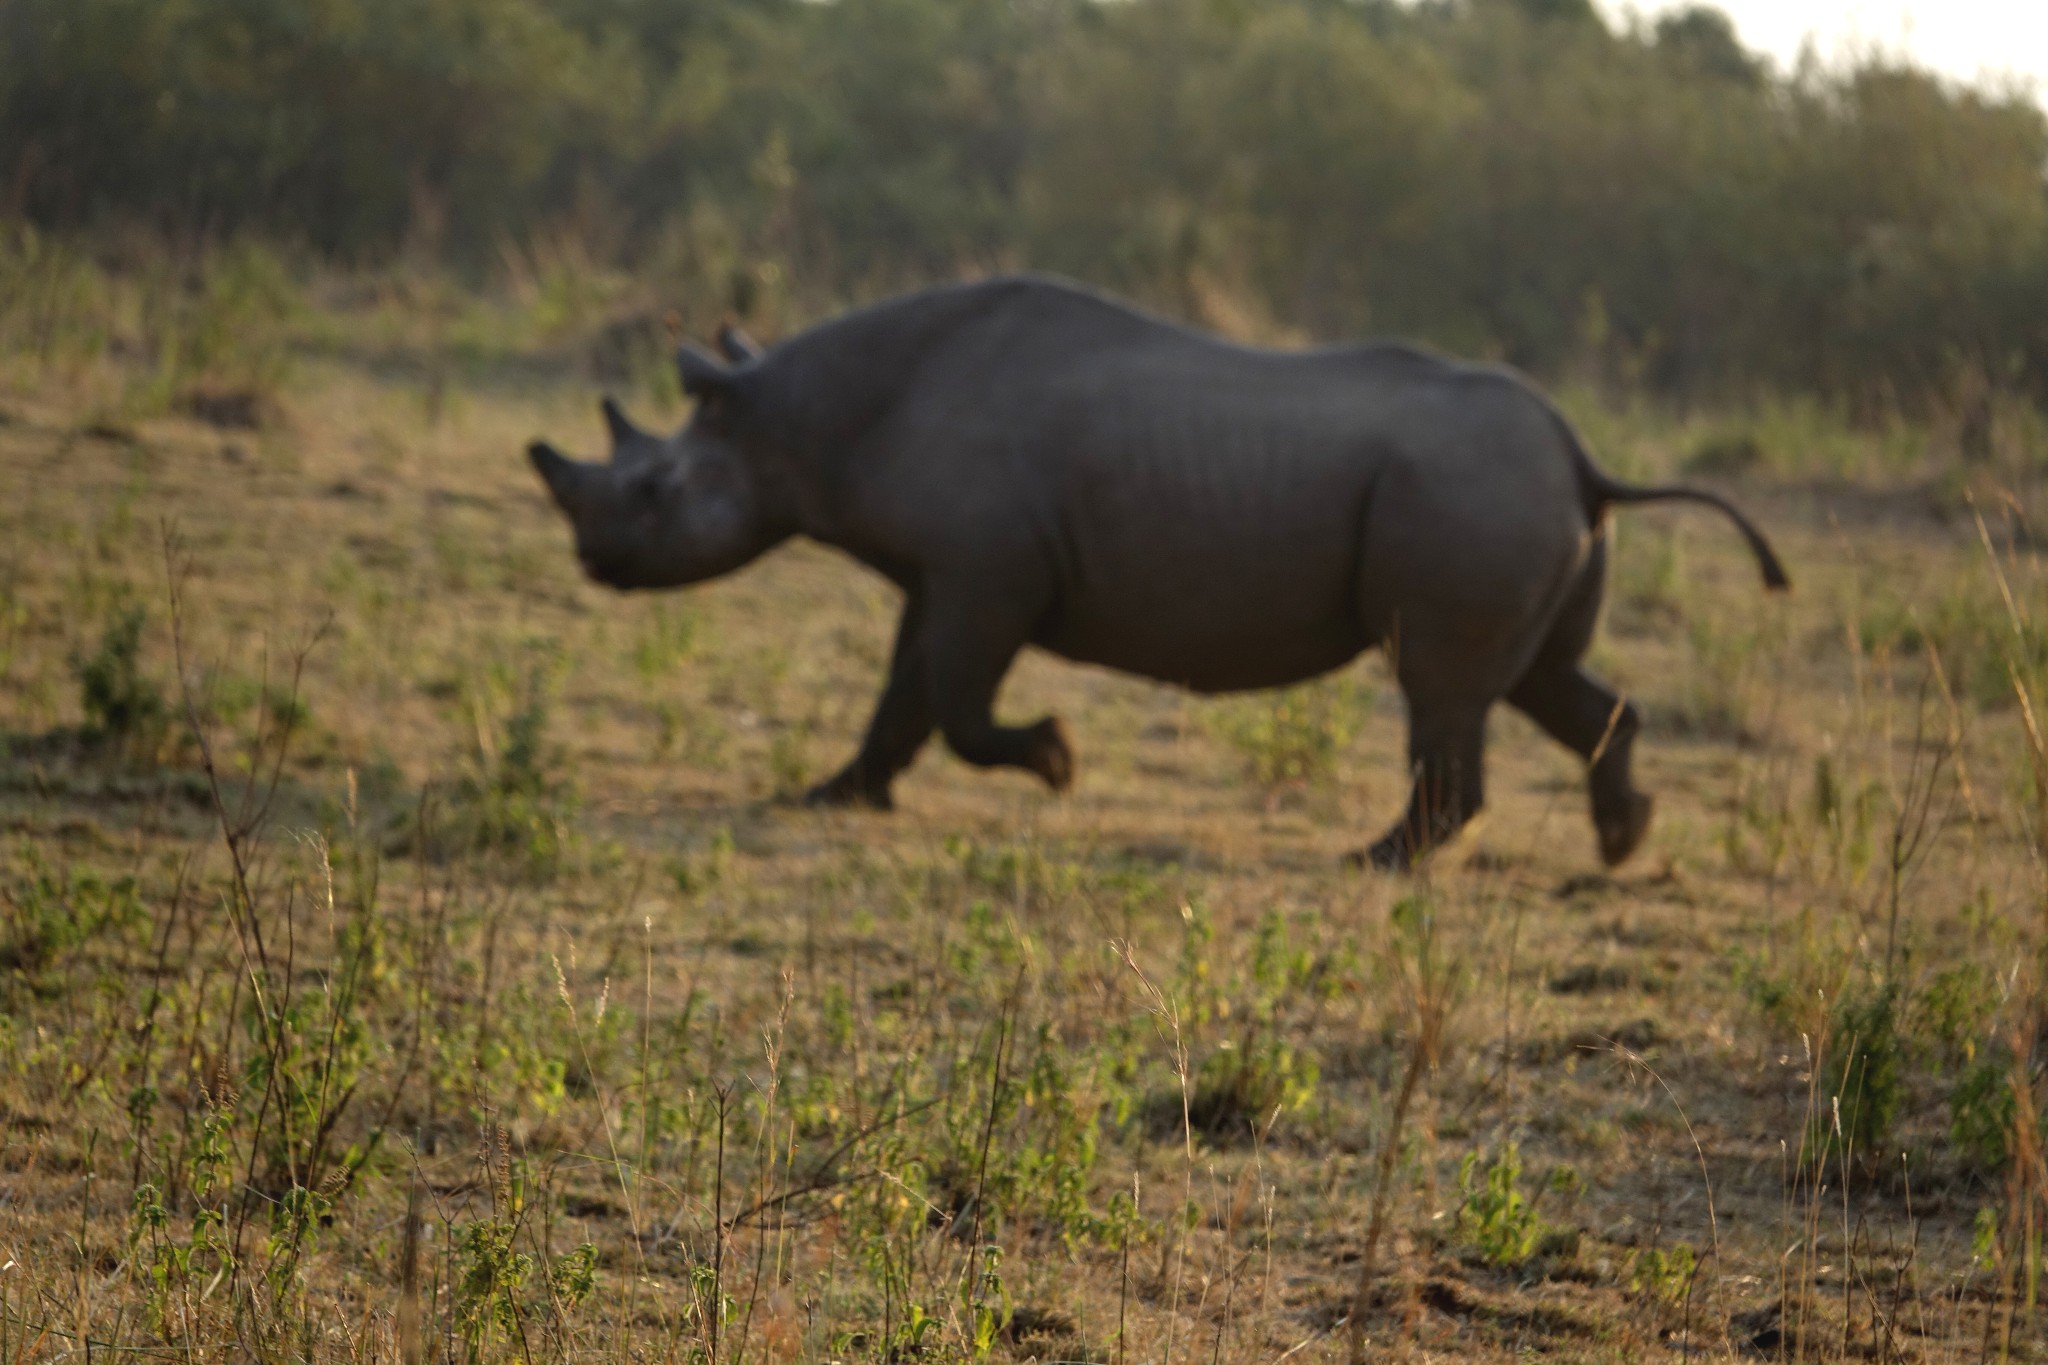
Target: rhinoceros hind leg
(1447, 753)
(1600, 727)
(1622, 832)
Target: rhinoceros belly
(1216, 579)
(1210, 656)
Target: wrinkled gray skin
(1033, 464)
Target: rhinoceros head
(663, 510)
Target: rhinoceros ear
(705, 377)
(736, 346)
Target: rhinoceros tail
(1606, 490)
(1602, 490)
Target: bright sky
(1967, 39)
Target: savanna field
(409, 951)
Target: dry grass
(484, 1004)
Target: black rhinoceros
(1035, 464)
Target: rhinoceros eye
(646, 487)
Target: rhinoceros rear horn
(616, 421)
(704, 375)
(735, 345)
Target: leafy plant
(1294, 738)
(1240, 1087)
(789, 763)
(1663, 1274)
(1715, 698)
(1862, 1072)
(217, 336)
(515, 796)
(574, 1275)
(1495, 1219)
(1983, 1110)
(665, 640)
(46, 913)
(492, 1272)
(123, 705)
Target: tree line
(1514, 178)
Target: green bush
(1982, 1112)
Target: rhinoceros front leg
(972, 639)
(902, 722)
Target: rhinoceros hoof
(849, 792)
(1052, 758)
(1622, 834)
(1390, 854)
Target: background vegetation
(1509, 177)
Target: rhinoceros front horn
(616, 421)
(563, 476)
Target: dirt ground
(529, 951)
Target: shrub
(124, 706)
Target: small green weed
(1651, 581)
(515, 796)
(1293, 739)
(789, 758)
(1495, 1219)
(696, 872)
(1862, 1072)
(1715, 700)
(217, 337)
(1242, 1086)
(1981, 644)
(55, 302)
(1663, 1275)
(666, 638)
(1956, 1009)
(124, 707)
(1846, 814)
(46, 913)
(1251, 1078)
(574, 1276)
(1982, 1112)
(493, 1271)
